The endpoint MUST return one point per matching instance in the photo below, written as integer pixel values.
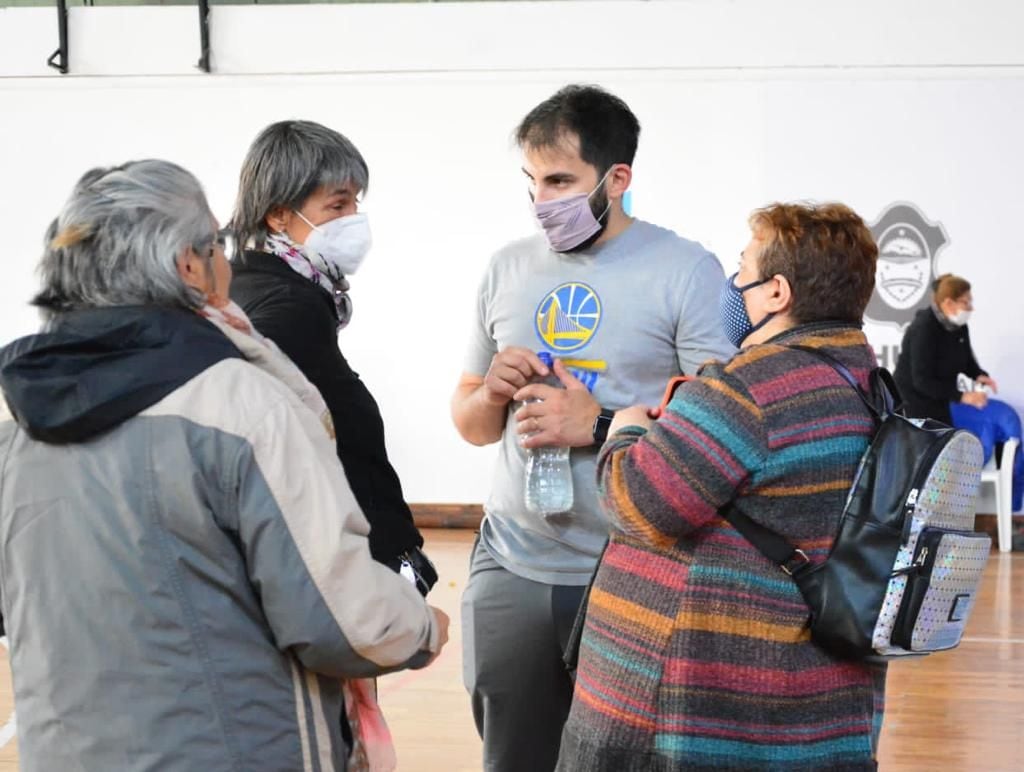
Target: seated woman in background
(696, 652)
(937, 347)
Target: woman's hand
(638, 415)
(986, 380)
(976, 399)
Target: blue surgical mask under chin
(736, 322)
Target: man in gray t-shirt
(623, 306)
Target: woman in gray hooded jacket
(184, 571)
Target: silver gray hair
(285, 165)
(118, 238)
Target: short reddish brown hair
(826, 253)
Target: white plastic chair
(1001, 478)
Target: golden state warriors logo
(568, 317)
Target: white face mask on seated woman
(960, 317)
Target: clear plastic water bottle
(548, 481)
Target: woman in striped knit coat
(696, 652)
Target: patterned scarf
(312, 266)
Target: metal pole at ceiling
(204, 35)
(62, 31)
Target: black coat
(300, 317)
(930, 358)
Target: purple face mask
(569, 221)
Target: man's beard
(598, 205)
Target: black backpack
(904, 570)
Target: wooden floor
(962, 710)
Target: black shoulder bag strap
(770, 544)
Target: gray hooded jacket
(184, 571)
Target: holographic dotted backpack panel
(939, 566)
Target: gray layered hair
(285, 165)
(118, 238)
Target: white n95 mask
(343, 242)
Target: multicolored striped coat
(696, 652)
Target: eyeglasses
(225, 238)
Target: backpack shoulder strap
(882, 402)
(770, 544)
(884, 399)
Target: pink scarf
(373, 749)
(231, 314)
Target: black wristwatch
(601, 424)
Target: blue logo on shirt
(568, 317)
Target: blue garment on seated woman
(994, 424)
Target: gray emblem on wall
(907, 247)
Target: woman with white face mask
(301, 237)
(297, 220)
(935, 348)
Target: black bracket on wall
(62, 31)
(204, 35)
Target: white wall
(742, 102)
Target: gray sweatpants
(514, 632)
